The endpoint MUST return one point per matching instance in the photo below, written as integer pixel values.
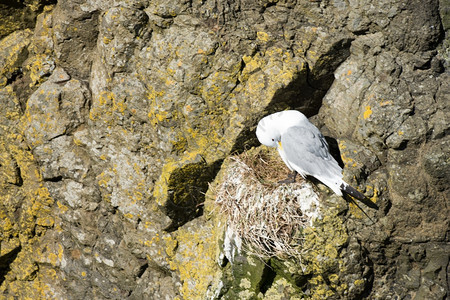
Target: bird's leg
(290, 179)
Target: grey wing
(307, 148)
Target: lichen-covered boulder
(118, 120)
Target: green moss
(244, 278)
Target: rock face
(118, 117)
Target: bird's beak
(279, 145)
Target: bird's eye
(273, 140)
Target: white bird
(303, 149)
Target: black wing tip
(353, 192)
(358, 195)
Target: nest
(269, 217)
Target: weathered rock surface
(117, 115)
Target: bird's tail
(352, 191)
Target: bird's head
(271, 127)
(267, 132)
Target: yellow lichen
(37, 67)
(195, 259)
(15, 47)
(104, 107)
(387, 102)
(170, 245)
(367, 112)
(62, 207)
(128, 215)
(359, 282)
(262, 36)
(282, 289)
(374, 191)
(322, 244)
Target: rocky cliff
(121, 122)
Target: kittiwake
(303, 149)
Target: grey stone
(116, 117)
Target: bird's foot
(290, 179)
